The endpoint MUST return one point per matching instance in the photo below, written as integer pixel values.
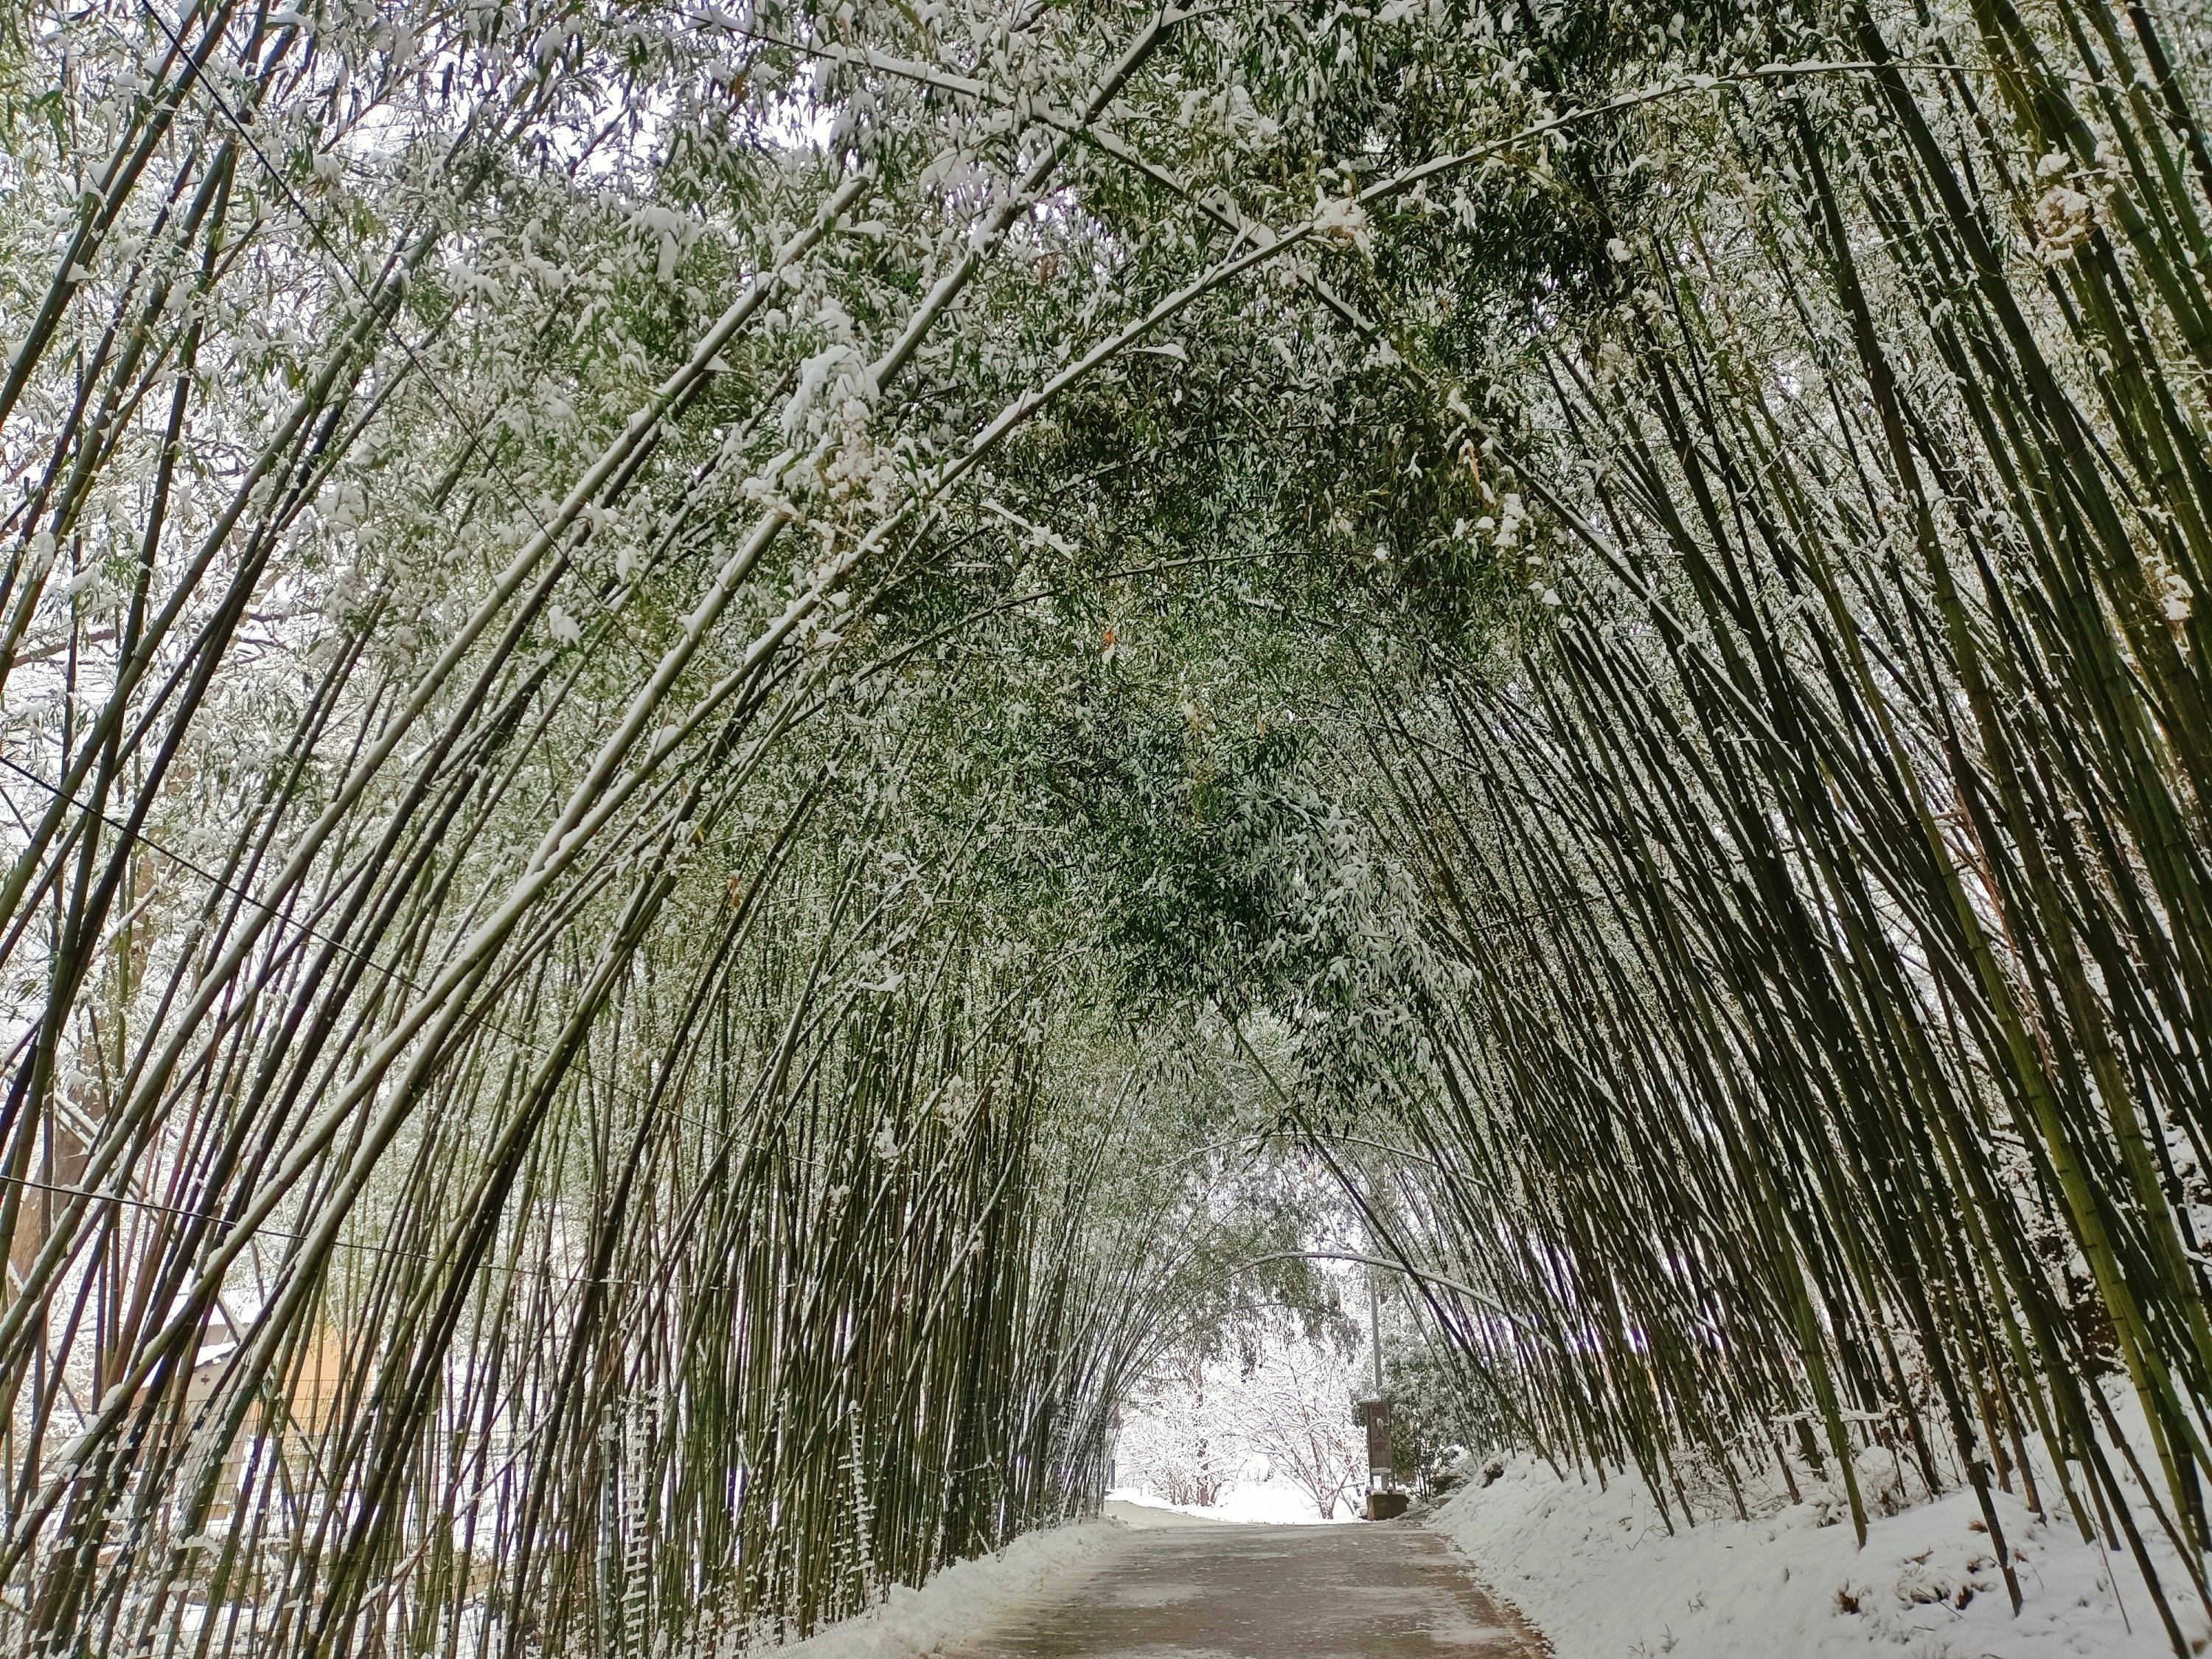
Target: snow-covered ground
(1275, 1502)
(962, 1598)
(1598, 1573)
(965, 1597)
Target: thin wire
(389, 324)
(345, 270)
(268, 1230)
(282, 919)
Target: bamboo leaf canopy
(719, 725)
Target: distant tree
(1182, 1443)
(1286, 1399)
(1297, 1411)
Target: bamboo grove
(1824, 879)
(674, 675)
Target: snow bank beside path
(961, 1599)
(1598, 1573)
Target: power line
(210, 1216)
(313, 223)
(283, 920)
(387, 323)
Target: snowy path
(1202, 1589)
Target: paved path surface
(1206, 1590)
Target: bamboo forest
(756, 752)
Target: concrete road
(1198, 1589)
